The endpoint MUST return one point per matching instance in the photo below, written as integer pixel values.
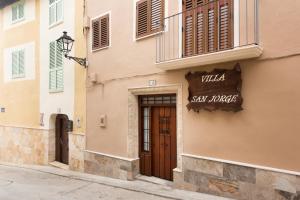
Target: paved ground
(48, 183)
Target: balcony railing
(208, 28)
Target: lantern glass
(65, 43)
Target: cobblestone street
(48, 183)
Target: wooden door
(158, 154)
(163, 142)
(62, 139)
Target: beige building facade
(139, 53)
(33, 99)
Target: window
(18, 64)
(149, 17)
(55, 11)
(17, 11)
(56, 71)
(100, 32)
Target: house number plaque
(219, 89)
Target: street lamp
(65, 44)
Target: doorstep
(59, 165)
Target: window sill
(238, 53)
(95, 50)
(147, 36)
(56, 24)
(17, 21)
(18, 76)
(56, 91)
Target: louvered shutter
(21, 10)
(21, 60)
(104, 31)
(157, 14)
(96, 34)
(188, 27)
(142, 16)
(59, 68)
(225, 24)
(14, 64)
(14, 12)
(52, 66)
(200, 27)
(212, 29)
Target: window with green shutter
(55, 11)
(18, 64)
(17, 11)
(56, 71)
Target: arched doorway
(61, 139)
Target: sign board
(219, 89)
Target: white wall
(62, 102)
(29, 15)
(29, 62)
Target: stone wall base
(235, 181)
(110, 166)
(23, 145)
(76, 151)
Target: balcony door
(207, 26)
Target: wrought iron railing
(210, 27)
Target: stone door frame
(133, 106)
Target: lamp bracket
(81, 61)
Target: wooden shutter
(149, 17)
(188, 27)
(100, 32)
(96, 34)
(142, 16)
(104, 31)
(157, 14)
(59, 10)
(207, 26)
(52, 66)
(200, 27)
(212, 28)
(225, 25)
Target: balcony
(209, 32)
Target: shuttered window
(55, 11)
(56, 71)
(18, 64)
(100, 32)
(207, 26)
(17, 11)
(149, 17)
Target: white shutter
(21, 63)
(59, 11)
(14, 64)
(52, 14)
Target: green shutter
(52, 63)
(21, 63)
(56, 74)
(14, 62)
(14, 13)
(59, 67)
(21, 10)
